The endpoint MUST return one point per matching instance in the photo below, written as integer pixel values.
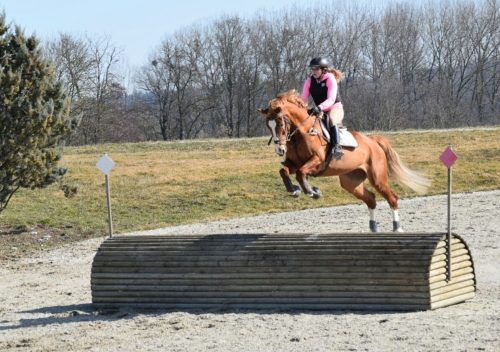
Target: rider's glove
(314, 111)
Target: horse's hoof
(316, 193)
(396, 227)
(373, 226)
(296, 193)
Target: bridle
(288, 135)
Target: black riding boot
(337, 150)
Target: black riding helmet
(319, 61)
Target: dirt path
(45, 299)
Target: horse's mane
(292, 96)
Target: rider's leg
(336, 116)
(337, 150)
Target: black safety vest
(319, 91)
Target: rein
(289, 135)
(311, 132)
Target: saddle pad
(347, 139)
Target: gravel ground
(45, 300)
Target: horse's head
(285, 113)
(279, 125)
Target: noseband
(287, 130)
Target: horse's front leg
(286, 170)
(308, 168)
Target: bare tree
(228, 53)
(192, 101)
(88, 65)
(102, 78)
(69, 54)
(175, 90)
(344, 35)
(484, 36)
(285, 48)
(155, 79)
(252, 88)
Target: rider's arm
(305, 90)
(331, 84)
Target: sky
(136, 26)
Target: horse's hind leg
(352, 182)
(380, 182)
(396, 225)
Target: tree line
(433, 64)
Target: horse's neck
(301, 121)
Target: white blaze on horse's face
(272, 127)
(280, 148)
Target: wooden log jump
(382, 271)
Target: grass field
(160, 184)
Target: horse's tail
(398, 171)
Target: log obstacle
(382, 271)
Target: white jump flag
(105, 164)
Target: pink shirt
(331, 84)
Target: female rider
(323, 87)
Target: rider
(323, 87)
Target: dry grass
(160, 184)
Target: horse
(298, 138)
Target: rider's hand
(314, 111)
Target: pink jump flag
(449, 157)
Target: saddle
(346, 138)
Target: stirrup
(338, 152)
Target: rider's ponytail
(338, 75)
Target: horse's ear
(263, 111)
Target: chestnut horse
(297, 136)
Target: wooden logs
(382, 271)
